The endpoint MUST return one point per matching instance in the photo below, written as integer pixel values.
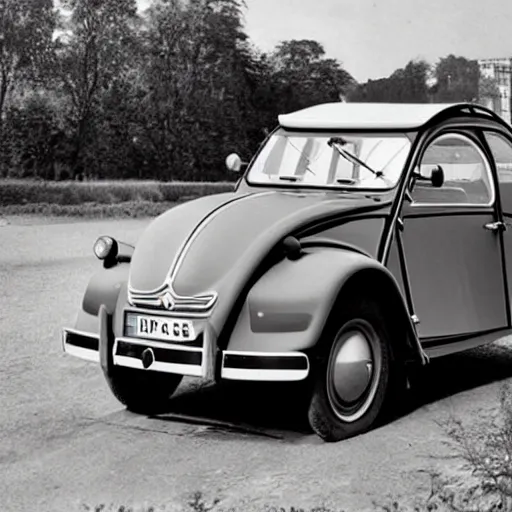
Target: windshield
(368, 161)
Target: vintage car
(361, 241)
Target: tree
(94, 56)
(26, 30)
(200, 72)
(405, 85)
(457, 80)
(306, 77)
(489, 93)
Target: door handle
(495, 226)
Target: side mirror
(234, 162)
(436, 177)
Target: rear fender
(288, 308)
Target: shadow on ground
(260, 409)
(449, 375)
(279, 410)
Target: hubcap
(354, 370)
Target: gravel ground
(66, 442)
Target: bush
(483, 483)
(23, 192)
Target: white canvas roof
(340, 116)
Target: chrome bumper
(264, 366)
(81, 344)
(195, 361)
(164, 358)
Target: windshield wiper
(338, 143)
(290, 178)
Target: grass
(449, 495)
(99, 199)
(196, 503)
(128, 209)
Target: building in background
(499, 70)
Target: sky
(372, 38)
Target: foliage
(123, 210)
(16, 192)
(407, 85)
(484, 480)
(95, 89)
(304, 77)
(457, 79)
(487, 452)
(452, 79)
(196, 66)
(165, 96)
(489, 93)
(195, 504)
(26, 30)
(93, 64)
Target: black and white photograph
(255, 255)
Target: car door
(452, 246)
(500, 146)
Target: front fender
(287, 309)
(103, 289)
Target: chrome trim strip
(265, 354)
(179, 303)
(180, 369)
(157, 344)
(453, 205)
(264, 375)
(166, 312)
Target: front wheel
(353, 374)
(143, 392)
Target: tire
(356, 342)
(141, 391)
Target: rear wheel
(144, 392)
(352, 377)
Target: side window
(501, 149)
(467, 173)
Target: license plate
(168, 329)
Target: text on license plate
(159, 328)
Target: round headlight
(104, 247)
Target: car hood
(200, 243)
